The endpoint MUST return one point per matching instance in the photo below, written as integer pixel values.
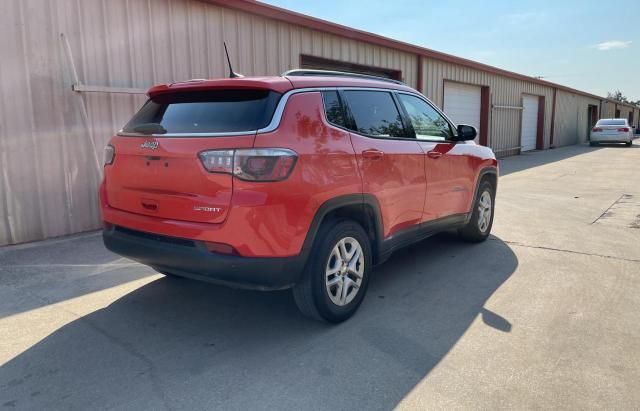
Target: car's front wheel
(479, 226)
(337, 274)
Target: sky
(589, 45)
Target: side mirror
(466, 133)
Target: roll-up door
(529, 122)
(462, 104)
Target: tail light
(217, 161)
(109, 154)
(596, 129)
(624, 129)
(260, 164)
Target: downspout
(553, 119)
(419, 75)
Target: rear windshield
(220, 111)
(611, 123)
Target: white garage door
(529, 122)
(462, 104)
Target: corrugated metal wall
(50, 151)
(51, 138)
(504, 123)
(610, 107)
(607, 110)
(572, 118)
(624, 111)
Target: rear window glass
(220, 111)
(611, 123)
(375, 113)
(333, 108)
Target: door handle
(372, 154)
(434, 154)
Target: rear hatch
(156, 170)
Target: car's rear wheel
(337, 273)
(593, 143)
(628, 143)
(479, 226)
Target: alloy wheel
(484, 211)
(344, 271)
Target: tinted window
(333, 108)
(611, 123)
(205, 112)
(375, 113)
(426, 121)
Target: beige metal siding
(610, 110)
(50, 152)
(51, 138)
(624, 111)
(504, 123)
(572, 113)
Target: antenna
(232, 74)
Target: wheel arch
(362, 208)
(489, 173)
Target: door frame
(592, 114)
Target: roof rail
(309, 72)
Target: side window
(333, 108)
(375, 113)
(427, 122)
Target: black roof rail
(310, 72)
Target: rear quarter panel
(280, 213)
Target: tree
(618, 96)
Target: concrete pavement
(543, 315)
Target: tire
(313, 296)
(629, 143)
(478, 229)
(592, 144)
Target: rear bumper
(613, 138)
(192, 259)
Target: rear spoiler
(277, 84)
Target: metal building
(74, 71)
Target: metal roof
(292, 17)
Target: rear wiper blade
(150, 128)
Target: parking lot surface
(542, 315)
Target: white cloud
(612, 45)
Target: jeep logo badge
(149, 144)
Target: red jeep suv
(304, 181)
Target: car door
(390, 160)
(448, 164)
